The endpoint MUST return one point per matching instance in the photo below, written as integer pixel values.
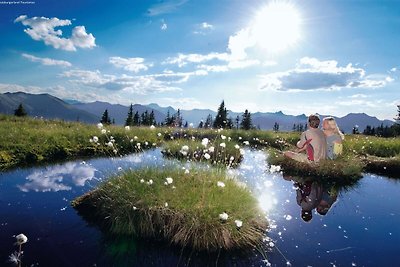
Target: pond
(360, 228)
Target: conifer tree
(105, 118)
(201, 124)
(129, 119)
(221, 119)
(237, 120)
(152, 119)
(20, 111)
(136, 119)
(209, 122)
(246, 123)
(276, 127)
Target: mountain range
(51, 107)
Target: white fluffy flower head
(223, 216)
(169, 180)
(21, 239)
(238, 223)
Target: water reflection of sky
(360, 229)
(56, 178)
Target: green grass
(371, 146)
(125, 205)
(255, 138)
(193, 150)
(343, 169)
(27, 141)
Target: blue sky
(330, 57)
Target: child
(334, 138)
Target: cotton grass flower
(220, 184)
(211, 149)
(223, 216)
(204, 142)
(207, 156)
(169, 180)
(274, 168)
(222, 145)
(237, 146)
(103, 131)
(159, 134)
(110, 144)
(100, 125)
(152, 127)
(246, 143)
(223, 137)
(127, 128)
(150, 182)
(95, 139)
(238, 223)
(21, 239)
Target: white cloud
(206, 25)
(165, 7)
(86, 94)
(213, 68)
(312, 74)
(141, 84)
(203, 28)
(228, 61)
(44, 29)
(182, 103)
(47, 61)
(163, 26)
(183, 59)
(361, 102)
(134, 64)
(239, 42)
(359, 96)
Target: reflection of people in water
(328, 198)
(312, 195)
(308, 197)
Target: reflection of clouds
(54, 178)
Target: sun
(276, 26)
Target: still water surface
(360, 228)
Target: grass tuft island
(197, 208)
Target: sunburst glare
(276, 26)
